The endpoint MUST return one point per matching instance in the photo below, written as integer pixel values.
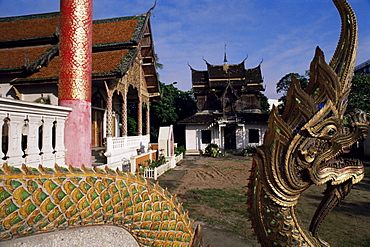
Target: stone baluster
(21, 137)
(32, 157)
(59, 152)
(47, 156)
(14, 145)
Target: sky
(283, 34)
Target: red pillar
(75, 78)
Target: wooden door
(97, 128)
(230, 137)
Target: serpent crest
(302, 147)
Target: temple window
(206, 136)
(254, 136)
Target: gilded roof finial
(225, 59)
(226, 66)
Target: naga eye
(331, 131)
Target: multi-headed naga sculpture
(302, 145)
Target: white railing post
(33, 151)
(155, 173)
(59, 152)
(25, 118)
(133, 165)
(109, 149)
(47, 148)
(15, 139)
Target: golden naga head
(303, 145)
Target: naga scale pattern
(41, 200)
(302, 147)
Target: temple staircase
(98, 158)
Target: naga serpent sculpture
(302, 145)
(43, 200)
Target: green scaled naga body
(302, 146)
(42, 200)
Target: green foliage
(360, 93)
(358, 98)
(179, 150)
(213, 150)
(174, 106)
(131, 119)
(131, 126)
(249, 149)
(283, 85)
(156, 163)
(264, 103)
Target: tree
(284, 83)
(175, 105)
(360, 93)
(264, 103)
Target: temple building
(124, 82)
(228, 109)
(363, 68)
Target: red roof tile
(111, 32)
(52, 70)
(103, 62)
(17, 57)
(29, 28)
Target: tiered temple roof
(227, 92)
(29, 48)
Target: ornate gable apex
(219, 72)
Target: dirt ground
(347, 225)
(197, 173)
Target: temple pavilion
(228, 108)
(123, 76)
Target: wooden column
(148, 118)
(140, 116)
(75, 78)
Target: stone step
(98, 157)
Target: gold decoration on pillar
(75, 53)
(109, 120)
(110, 113)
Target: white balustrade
(32, 133)
(121, 148)
(154, 173)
